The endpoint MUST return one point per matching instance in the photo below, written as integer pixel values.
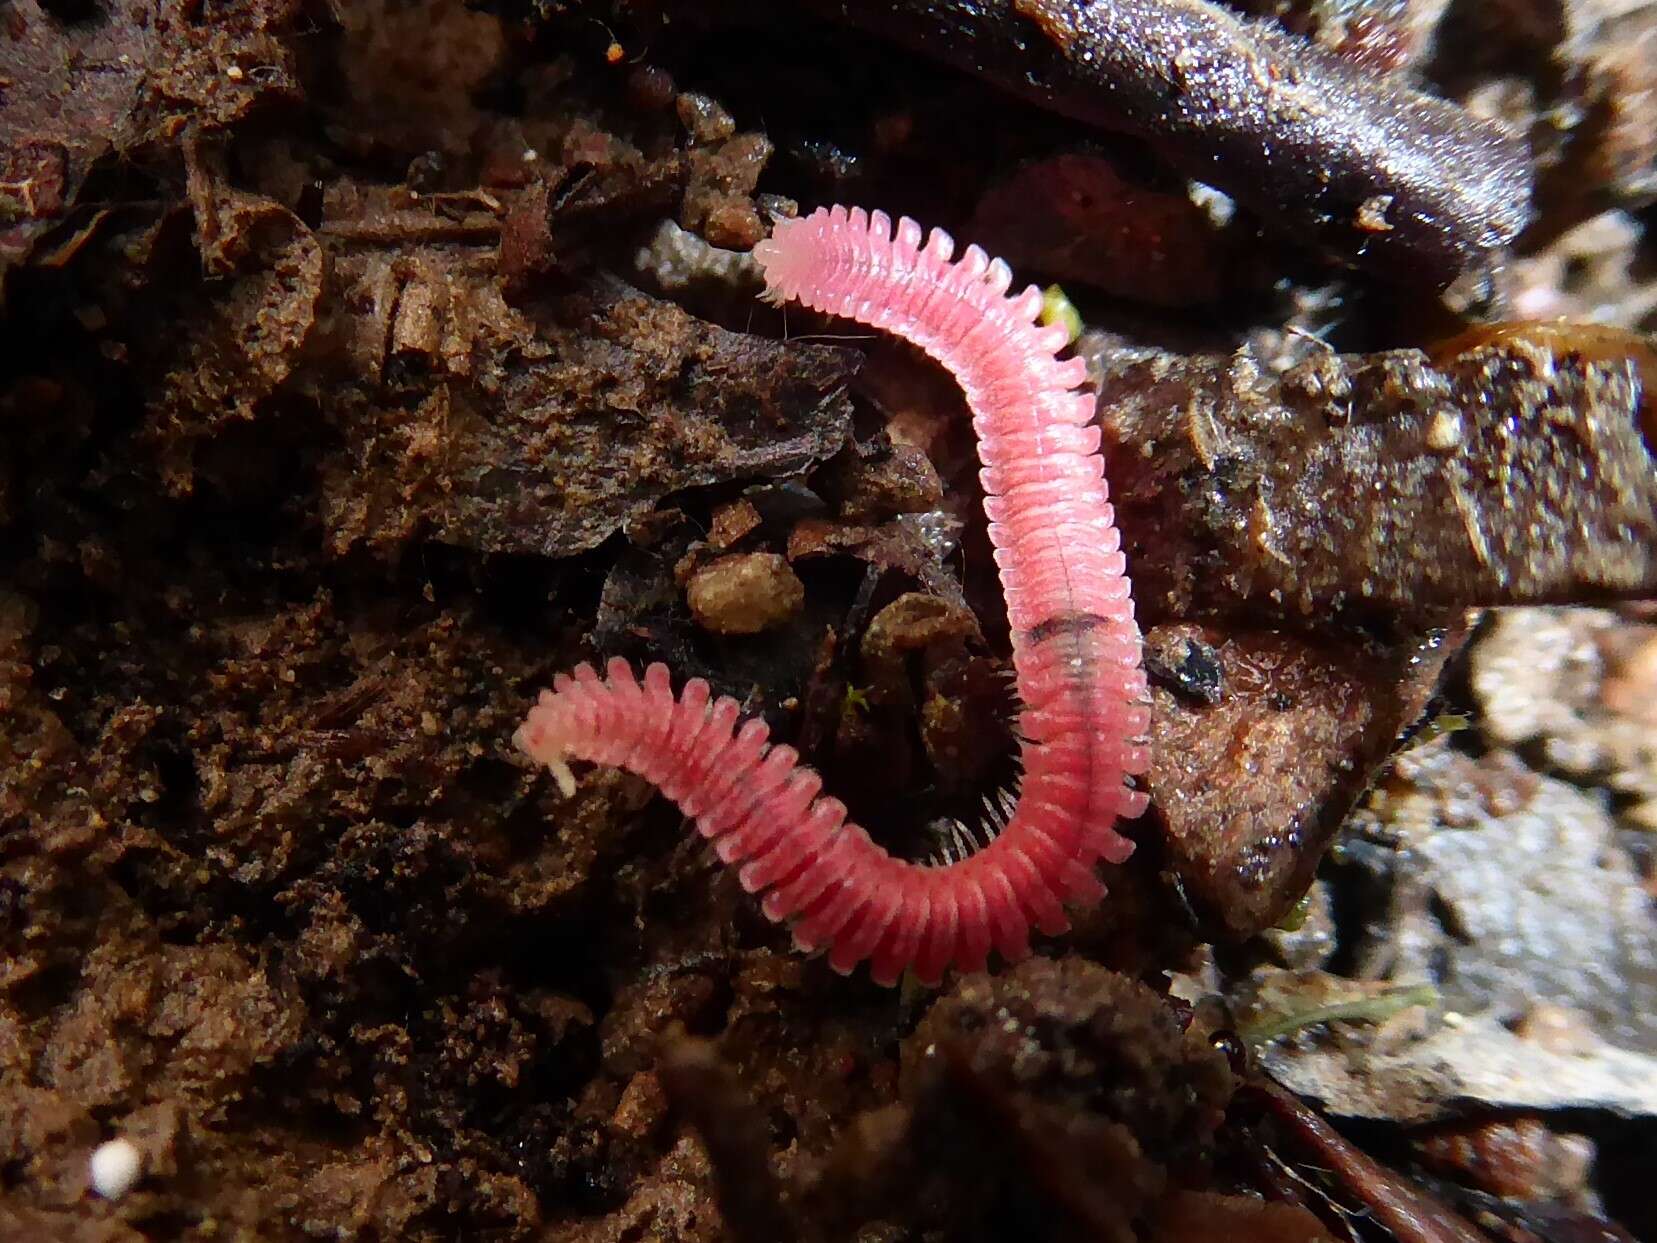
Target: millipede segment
(1076, 647)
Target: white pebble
(115, 1167)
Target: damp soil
(365, 364)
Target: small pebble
(1444, 432)
(745, 593)
(115, 1167)
(706, 120)
(1558, 1029)
(1372, 214)
(731, 522)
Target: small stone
(704, 118)
(1559, 1029)
(734, 225)
(1515, 1158)
(731, 522)
(745, 594)
(1630, 688)
(1372, 214)
(642, 1108)
(1444, 431)
(115, 1167)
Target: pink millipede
(1076, 647)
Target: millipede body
(1075, 645)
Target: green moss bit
(1058, 309)
(1370, 1009)
(856, 703)
(1295, 920)
(1442, 724)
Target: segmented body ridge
(1076, 648)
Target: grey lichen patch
(1508, 891)
(676, 259)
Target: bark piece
(1382, 484)
(547, 435)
